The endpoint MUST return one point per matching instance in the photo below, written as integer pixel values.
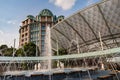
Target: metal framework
(103, 17)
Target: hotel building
(33, 29)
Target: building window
(43, 37)
(49, 18)
(22, 40)
(43, 32)
(43, 28)
(43, 18)
(43, 24)
(42, 42)
(26, 34)
(31, 20)
(26, 39)
(42, 47)
(26, 28)
(22, 35)
(23, 23)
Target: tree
(20, 52)
(3, 47)
(8, 52)
(4, 50)
(30, 49)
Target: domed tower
(45, 18)
(46, 12)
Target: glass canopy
(93, 28)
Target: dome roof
(45, 12)
(30, 17)
(61, 17)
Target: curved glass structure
(94, 28)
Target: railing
(72, 56)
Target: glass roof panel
(85, 25)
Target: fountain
(61, 73)
(48, 51)
(82, 66)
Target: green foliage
(8, 52)
(27, 50)
(20, 52)
(3, 47)
(61, 52)
(30, 49)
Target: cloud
(90, 2)
(1, 32)
(13, 22)
(64, 4)
(8, 38)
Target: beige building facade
(33, 29)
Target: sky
(13, 12)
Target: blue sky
(12, 12)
